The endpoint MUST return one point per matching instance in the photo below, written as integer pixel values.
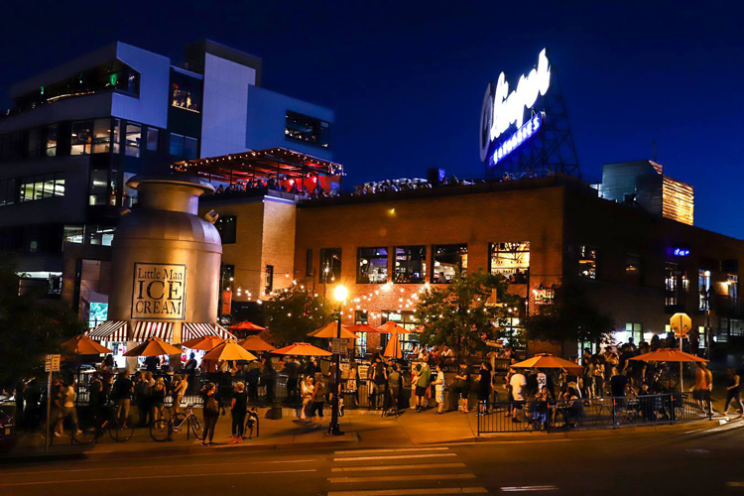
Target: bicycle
(162, 430)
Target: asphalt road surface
(614, 463)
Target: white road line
(392, 457)
(145, 477)
(398, 467)
(407, 492)
(390, 478)
(140, 467)
(520, 489)
(398, 450)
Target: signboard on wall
(159, 291)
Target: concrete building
(78, 132)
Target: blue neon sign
(521, 135)
(681, 252)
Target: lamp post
(340, 294)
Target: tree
(31, 327)
(294, 312)
(463, 315)
(571, 317)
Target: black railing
(609, 412)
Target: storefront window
(449, 261)
(133, 138)
(704, 290)
(511, 260)
(372, 265)
(227, 228)
(81, 138)
(587, 262)
(410, 264)
(330, 265)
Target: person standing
(423, 380)
(308, 390)
(292, 368)
(518, 383)
(67, 406)
(319, 394)
(439, 385)
(238, 409)
(121, 392)
(462, 388)
(179, 391)
(157, 399)
(702, 388)
(395, 384)
(96, 396)
(352, 382)
(484, 387)
(212, 408)
(733, 393)
(379, 378)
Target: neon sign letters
(502, 109)
(681, 252)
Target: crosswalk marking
(392, 457)
(519, 489)
(398, 467)
(407, 492)
(388, 450)
(386, 478)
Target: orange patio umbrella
(203, 343)
(255, 343)
(154, 346)
(246, 326)
(668, 355)
(229, 350)
(392, 349)
(548, 361)
(83, 345)
(302, 349)
(364, 328)
(393, 328)
(330, 330)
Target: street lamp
(340, 293)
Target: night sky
(406, 78)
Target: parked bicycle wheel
(160, 431)
(121, 433)
(88, 432)
(197, 428)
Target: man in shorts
(518, 383)
(422, 384)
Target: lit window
(185, 92)
(51, 140)
(40, 187)
(330, 265)
(307, 129)
(133, 137)
(410, 264)
(449, 261)
(80, 138)
(511, 260)
(704, 290)
(372, 265)
(588, 262)
(101, 135)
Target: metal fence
(595, 413)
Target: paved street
(608, 463)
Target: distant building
(78, 132)
(644, 183)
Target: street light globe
(340, 293)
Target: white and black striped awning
(110, 331)
(145, 329)
(193, 330)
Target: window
(309, 263)
(183, 146)
(405, 319)
(330, 265)
(98, 191)
(11, 146)
(185, 92)
(587, 262)
(73, 234)
(117, 135)
(410, 265)
(7, 192)
(41, 187)
(269, 284)
(360, 343)
(133, 137)
(633, 266)
(449, 261)
(633, 330)
(732, 281)
(33, 146)
(307, 129)
(737, 327)
(51, 140)
(152, 139)
(511, 260)
(227, 228)
(80, 138)
(101, 235)
(372, 265)
(672, 284)
(101, 135)
(703, 290)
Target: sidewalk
(361, 428)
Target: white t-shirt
(518, 382)
(542, 381)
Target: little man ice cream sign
(159, 291)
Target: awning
(192, 330)
(144, 330)
(110, 331)
(222, 332)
